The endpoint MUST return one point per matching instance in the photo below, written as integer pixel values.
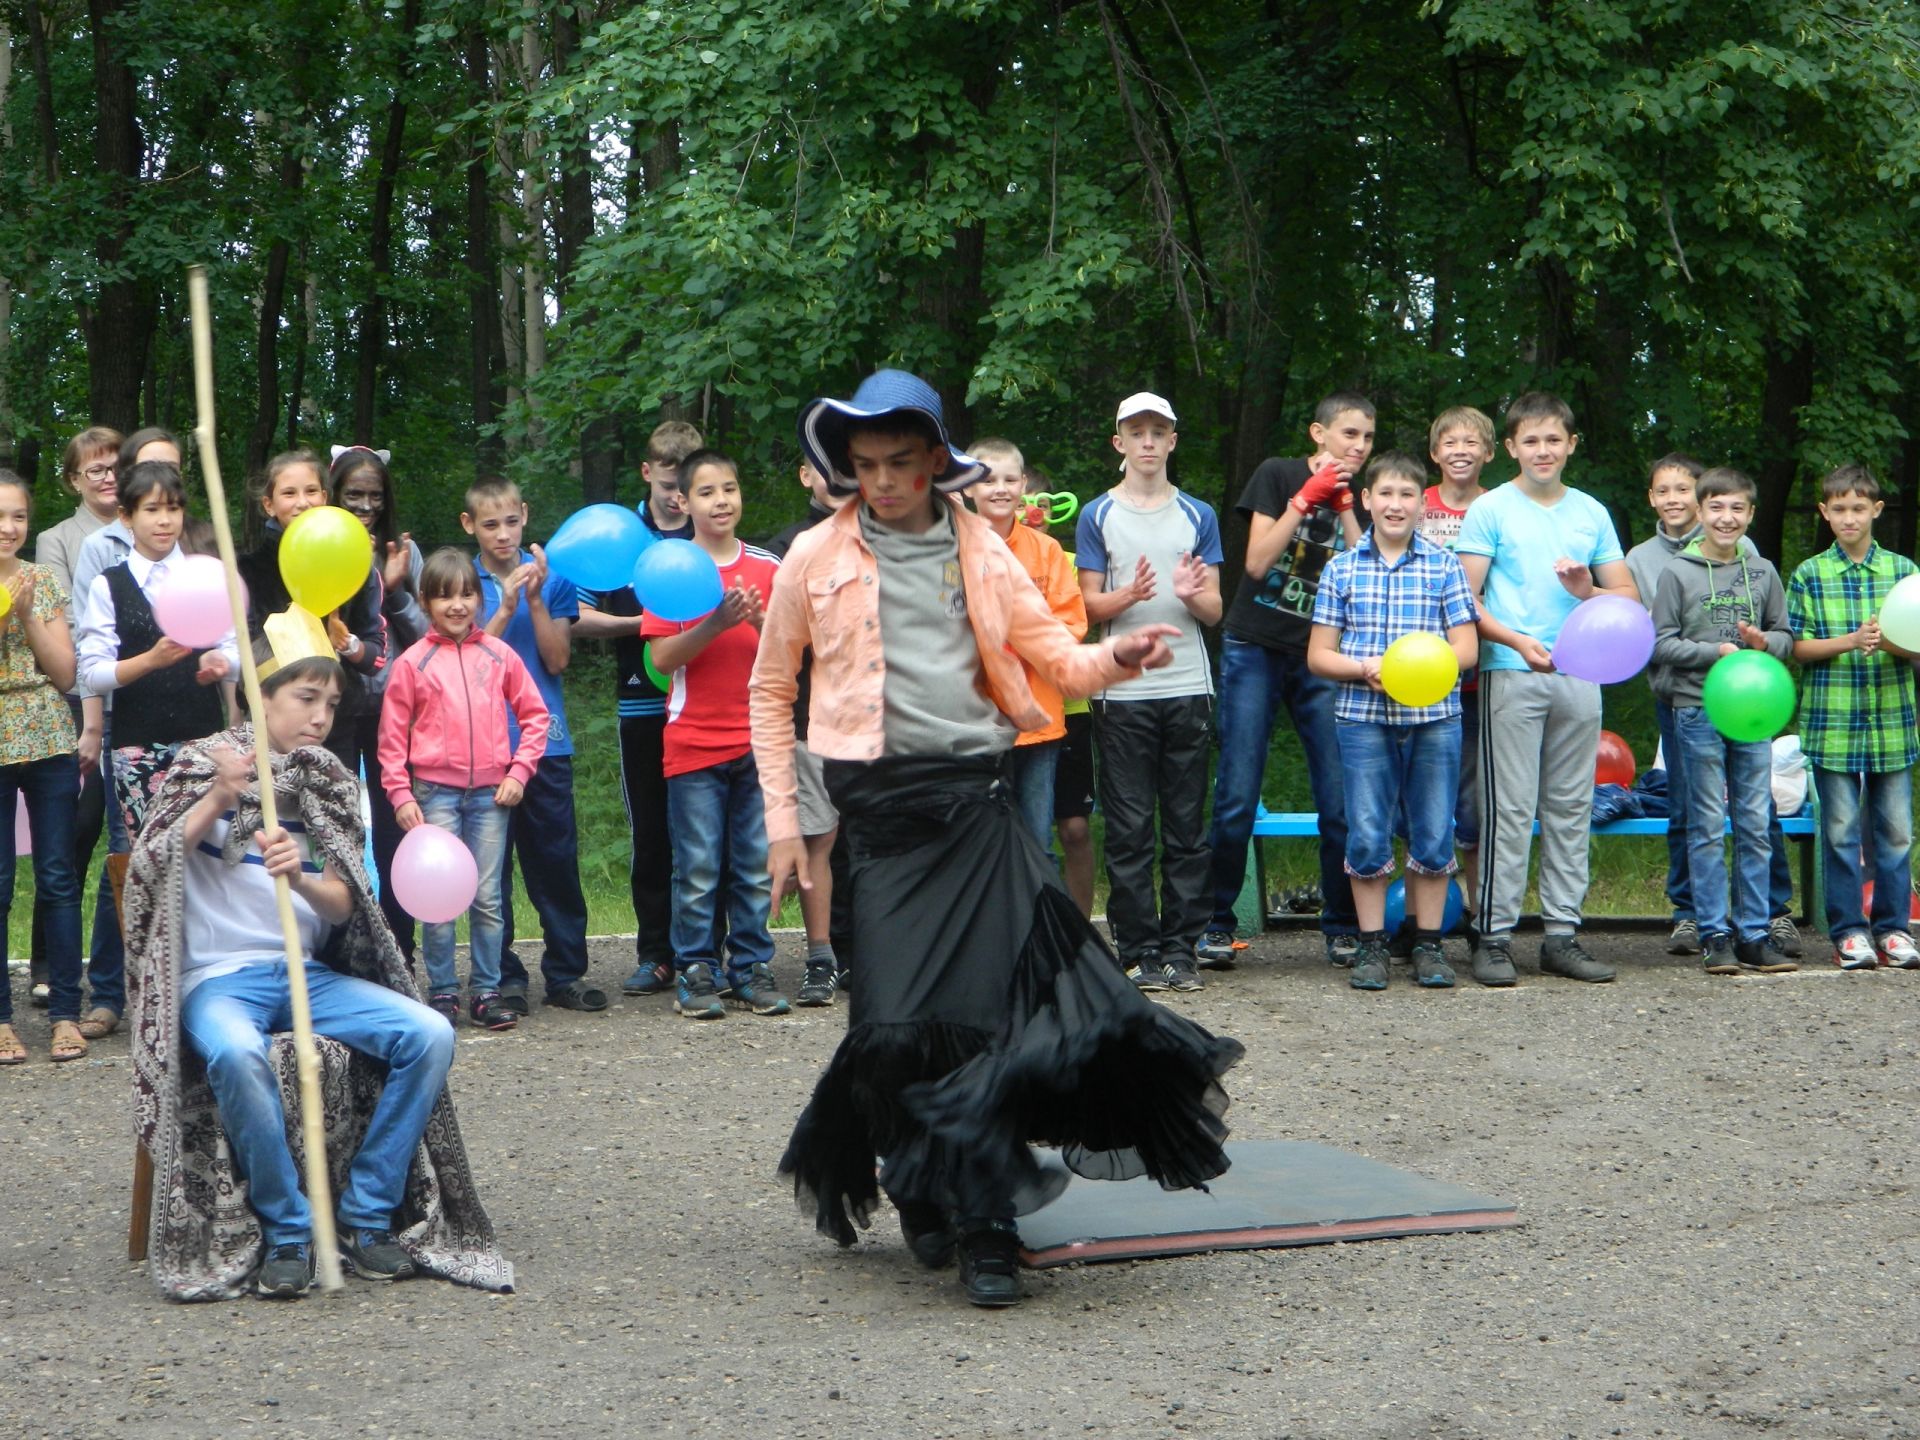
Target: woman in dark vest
(166, 693)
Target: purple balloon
(1607, 639)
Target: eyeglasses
(99, 472)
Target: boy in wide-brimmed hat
(988, 1013)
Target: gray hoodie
(1648, 560)
(1701, 606)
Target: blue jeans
(471, 815)
(1889, 809)
(231, 1019)
(51, 787)
(1679, 882)
(1033, 771)
(720, 848)
(1396, 771)
(546, 841)
(1727, 778)
(1254, 683)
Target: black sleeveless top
(169, 705)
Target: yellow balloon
(6, 601)
(1419, 669)
(325, 557)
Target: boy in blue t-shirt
(1149, 554)
(1398, 761)
(1534, 549)
(533, 611)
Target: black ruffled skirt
(989, 1016)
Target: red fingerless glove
(1343, 499)
(1319, 490)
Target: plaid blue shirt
(1373, 603)
(1856, 711)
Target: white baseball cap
(1144, 402)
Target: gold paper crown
(295, 634)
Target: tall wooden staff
(312, 1120)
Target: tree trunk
(483, 309)
(9, 452)
(370, 325)
(1787, 389)
(600, 437)
(303, 341)
(273, 296)
(118, 325)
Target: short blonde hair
(1460, 417)
(672, 441)
(992, 447)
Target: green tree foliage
(505, 233)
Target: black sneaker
(1182, 974)
(1148, 974)
(818, 985)
(1342, 949)
(1685, 938)
(990, 1263)
(447, 1004)
(372, 1255)
(695, 995)
(515, 1000)
(1218, 950)
(757, 991)
(929, 1233)
(286, 1272)
(1370, 967)
(1719, 956)
(1784, 936)
(1430, 967)
(489, 1011)
(654, 979)
(1493, 962)
(1565, 956)
(1758, 957)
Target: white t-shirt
(231, 919)
(1113, 537)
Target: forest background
(500, 236)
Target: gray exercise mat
(1278, 1193)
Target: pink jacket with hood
(444, 719)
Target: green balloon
(646, 661)
(1748, 695)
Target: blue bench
(1305, 824)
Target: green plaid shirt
(1856, 711)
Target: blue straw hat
(823, 429)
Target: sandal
(577, 995)
(68, 1042)
(12, 1052)
(99, 1022)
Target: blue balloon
(677, 581)
(1397, 907)
(595, 548)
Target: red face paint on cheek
(919, 482)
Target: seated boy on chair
(207, 847)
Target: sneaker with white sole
(1897, 947)
(1685, 939)
(1218, 950)
(1854, 951)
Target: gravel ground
(1715, 1178)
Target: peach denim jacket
(827, 595)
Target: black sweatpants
(1153, 755)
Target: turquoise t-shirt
(563, 603)
(1523, 539)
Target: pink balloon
(190, 605)
(434, 877)
(22, 835)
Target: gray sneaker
(286, 1272)
(1685, 939)
(1218, 950)
(1342, 950)
(1430, 967)
(1370, 966)
(1493, 961)
(1784, 936)
(1565, 956)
